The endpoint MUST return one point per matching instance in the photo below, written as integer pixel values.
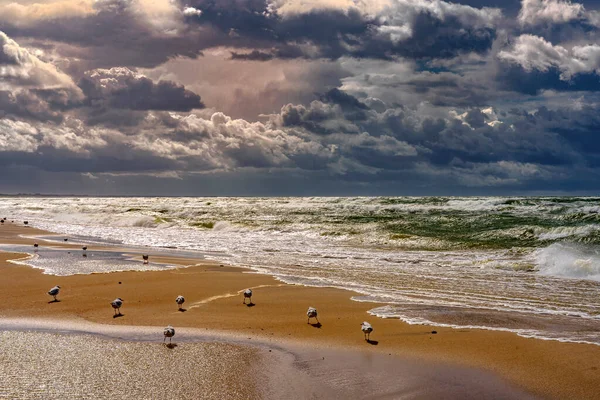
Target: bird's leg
(317, 320)
(308, 320)
(165, 339)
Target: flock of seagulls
(169, 331)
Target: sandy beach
(548, 369)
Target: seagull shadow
(118, 315)
(317, 325)
(250, 305)
(373, 342)
(54, 301)
(170, 345)
(182, 310)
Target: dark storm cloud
(550, 138)
(334, 33)
(422, 99)
(343, 99)
(123, 33)
(29, 104)
(122, 88)
(254, 55)
(533, 82)
(117, 32)
(532, 63)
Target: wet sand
(49, 365)
(547, 369)
(84, 360)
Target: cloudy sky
(299, 97)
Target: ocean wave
(569, 261)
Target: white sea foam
(570, 261)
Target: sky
(299, 97)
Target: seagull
(367, 329)
(169, 333)
(116, 304)
(248, 295)
(145, 257)
(66, 240)
(54, 292)
(25, 222)
(312, 313)
(84, 248)
(35, 245)
(179, 300)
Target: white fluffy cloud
(18, 67)
(191, 11)
(395, 17)
(535, 53)
(535, 12)
(29, 14)
(72, 135)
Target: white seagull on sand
(169, 333)
(116, 304)
(367, 329)
(248, 295)
(312, 313)
(180, 300)
(54, 292)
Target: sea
(529, 265)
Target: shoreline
(549, 369)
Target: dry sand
(213, 298)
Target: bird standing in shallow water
(169, 333)
(312, 313)
(54, 292)
(116, 304)
(367, 329)
(145, 257)
(180, 300)
(248, 295)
